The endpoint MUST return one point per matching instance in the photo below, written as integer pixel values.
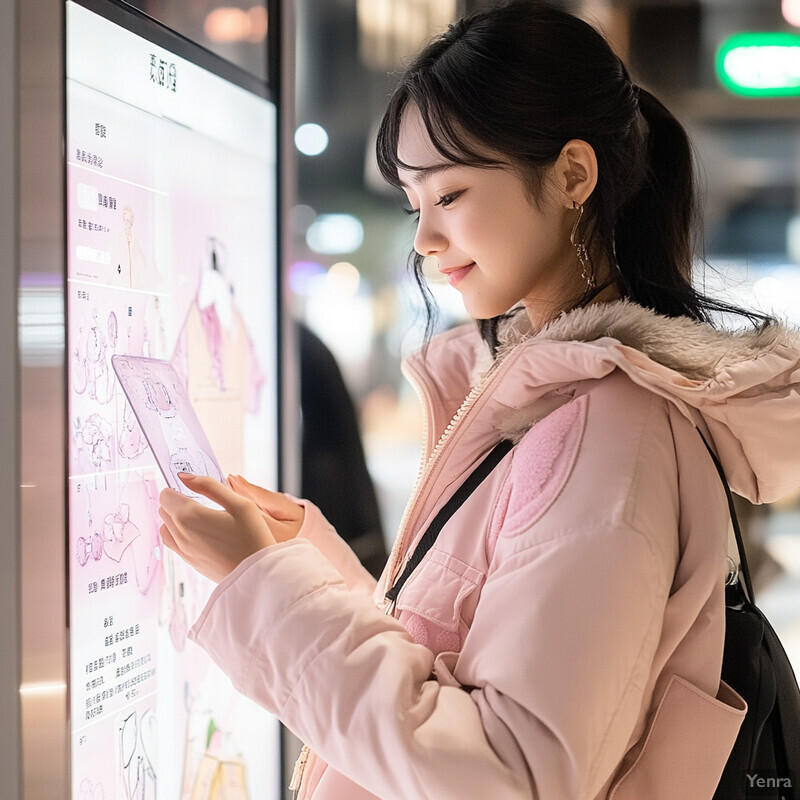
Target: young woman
(562, 638)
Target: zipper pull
(299, 768)
(388, 606)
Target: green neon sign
(760, 64)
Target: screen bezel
(138, 22)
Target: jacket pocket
(437, 603)
(685, 749)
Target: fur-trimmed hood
(742, 387)
(695, 350)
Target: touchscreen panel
(171, 255)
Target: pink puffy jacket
(563, 638)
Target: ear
(576, 171)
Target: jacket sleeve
(530, 708)
(317, 530)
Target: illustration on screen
(167, 419)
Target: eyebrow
(420, 173)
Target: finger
(172, 530)
(167, 538)
(167, 531)
(240, 485)
(212, 489)
(244, 487)
(174, 502)
(274, 503)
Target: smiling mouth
(456, 275)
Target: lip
(457, 274)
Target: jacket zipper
(299, 769)
(426, 469)
(424, 472)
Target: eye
(446, 199)
(412, 212)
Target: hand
(212, 541)
(283, 516)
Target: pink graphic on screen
(167, 419)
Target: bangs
(449, 132)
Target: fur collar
(743, 386)
(693, 349)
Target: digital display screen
(171, 255)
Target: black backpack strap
(483, 469)
(475, 478)
(745, 570)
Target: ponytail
(654, 234)
(654, 230)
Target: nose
(429, 239)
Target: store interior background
(351, 240)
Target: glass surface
(171, 254)
(233, 29)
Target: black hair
(520, 81)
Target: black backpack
(765, 760)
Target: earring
(587, 270)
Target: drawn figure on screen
(91, 370)
(145, 548)
(113, 329)
(91, 791)
(185, 454)
(183, 594)
(218, 361)
(130, 439)
(119, 537)
(130, 266)
(155, 330)
(173, 614)
(212, 768)
(93, 440)
(137, 743)
(119, 532)
(91, 547)
(145, 330)
(219, 779)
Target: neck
(540, 316)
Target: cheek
(519, 232)
(541, 240)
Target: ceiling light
(760, 64)
(335, 233)
(344, 279)
(227, 25)
(311, 139)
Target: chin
(479, 311)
